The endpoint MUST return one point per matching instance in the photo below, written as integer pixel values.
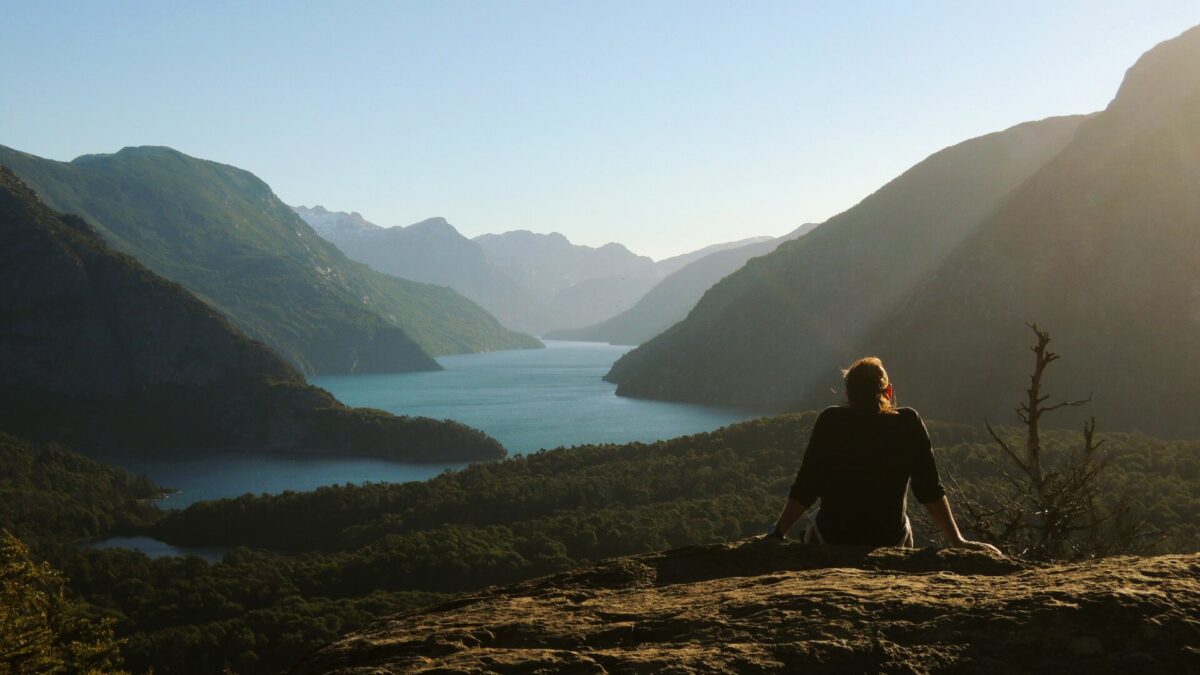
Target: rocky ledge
(760, 606)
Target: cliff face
(759, 606)
(100, 352)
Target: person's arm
(940, 512)
(805, 489)
(791, 513)
(927, 487)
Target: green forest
(304, 568)
(224, 235)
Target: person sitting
(861, 460)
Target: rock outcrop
(760, 606)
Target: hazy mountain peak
(324, 221)
(148, 150)
(436, 220)
(436, 225)
(151, 151)
(669, 265)
(1163, 76)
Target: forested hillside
(1090, 228)
(100, 352)
(325, 562)
(222, 233)
(1101, 247)
(774, 333)
(50, 494)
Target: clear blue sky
(662, 125)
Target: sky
(665, 126)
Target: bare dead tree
(1050, 509)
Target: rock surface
(760, 606)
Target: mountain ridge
(672, 264)
(773, 334)
(671, 299)
(1100, 247)
(530, 281)
(101, 353)
(224, 234)
(431, 251)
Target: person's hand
(977, 546)
(774, 534)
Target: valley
(243, 435)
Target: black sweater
(859, 464)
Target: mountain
(1101, 247)
(99, 352)
(433, 252)
(669, 266)
(762, 607)
(550, 263)
(672, 298)
(580, 284)
(223, 234)
(772, 334)
(541, 283)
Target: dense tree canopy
(306, 567)
(43, 629)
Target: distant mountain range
(223, 234)
(669, 301)
(533, 282)
(102, 353)
(580, 284)
(1088, 226)
(432, 252)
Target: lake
(527, 399)
(154, 548)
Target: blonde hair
(866, 386)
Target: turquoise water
(532, 399)
(527, 399)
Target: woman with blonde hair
(861, 459)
